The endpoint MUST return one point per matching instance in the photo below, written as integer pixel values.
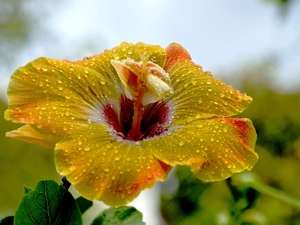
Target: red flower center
(152, 119)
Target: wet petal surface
(214, 148)
(197, 95)
(54, 96)
(103, 167)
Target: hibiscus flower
(119, 121)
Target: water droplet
(67, 97)
(149, 175)
(102, 81)
(222, 95)
(60, 88)
(200, 100)
(59, 81)
(44, 69)
(181, 143)
(153, 58)
(194, 82)
(72, 168)
(79, 77)
(197, 150)
(208, 82)
(87, 149)
(106, 170)
(117, 158)
(79, 143)
(39, 126)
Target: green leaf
(83, 204)
(48, 203)
(27, 190)
(124, 215)
(7, 221)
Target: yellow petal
(33, 135)
(198, 95)
(55, 96)
(104, 167)
(213, 148)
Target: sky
(220, 35)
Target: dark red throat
(153, 120)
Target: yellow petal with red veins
(214, 148)
(54, 96)
(175, 53)
(197, 95)
(105, 168)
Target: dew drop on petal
(200, 100)
(72, 168)
(181, 143)
(116, 56)
(117, 158)
(87, 149)
(149, 175)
